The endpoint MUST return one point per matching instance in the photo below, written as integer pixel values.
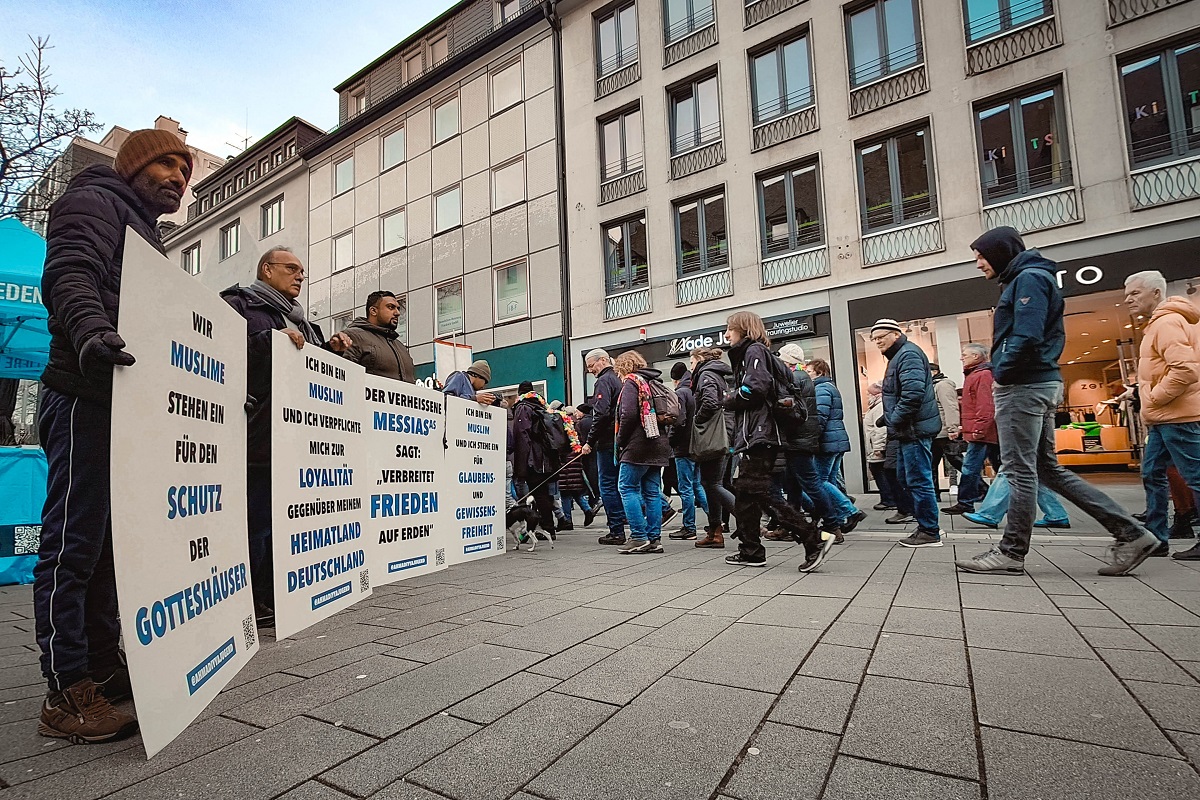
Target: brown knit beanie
(145, 146)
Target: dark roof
(264, 144)
(420, 34)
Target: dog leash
(550, 479)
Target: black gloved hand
(101, 352)
(881, 422)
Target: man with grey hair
(268, 305)
(1169, 388)
(602, 441)
(977, 427)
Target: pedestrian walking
(1169, 388)
(876, 449)
(978, 428)
(643, 450)
(911, 415)
(1027, 340)
(601, 439)
(835, 441)
(711, 438)
(687, 476)
(534, 461)
(945, 444)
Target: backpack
(789, 409)
(550, 434)
(665, 402)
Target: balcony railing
(622, 186)
(895, 244)
(705, 286)
(691, 23)
(789, 103)
(698, 159)
(784, 128)
(759, 10)
(1036, 213)
(887, 64)
(1018, 13)
(1165, 183)
(617, 61)
(892, 89)
(1125, 10)
(627, 304)
(623, 77)
(798, 266)
(1013, 45)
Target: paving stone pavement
(578, 673)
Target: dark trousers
(884, 480)
(74, 583)
(947, 450)
(720, 499)
(258, 525)
(754, 490)
(543, 500)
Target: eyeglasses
(880, 339)
(291, 268)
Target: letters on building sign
(791, 326)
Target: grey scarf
(286, 306)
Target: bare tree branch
(33, 133)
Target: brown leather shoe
(715, 538)
(81, 714)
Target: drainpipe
(550, 9)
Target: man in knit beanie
(75, 597)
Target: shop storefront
(1098, 363)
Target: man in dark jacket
(686, 476)
(533, 464)
(470, 383)
(1027, 340)
(375, 343)
(911, 415)
(601, 441)
(74, 590)
(268, 305)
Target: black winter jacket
(807, 439)
(754, 369)
(261, 319)
(909, 407)
(528, 454)
(1027, 326)
(633, 445)
(81, 284)
(713, 382)
(681, 432)
(834, 438)
(604, 409)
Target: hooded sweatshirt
(1169, 364)
(379, 350)
(1027, 327)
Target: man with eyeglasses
(269, 304)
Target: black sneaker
(264, 615)
(611, 539)
(668, 514)
(1140, 517)
(1181, 528)
(739, 560)
(852, 522)
(923, 539)
(900, 518)
(114, 684)
(1191, 554)
(883, 507)
(682, 533)
(1162, 551)
(541, 537)
(959, 508)
(816, 551)
(589, 517)
(566, 526)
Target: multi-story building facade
(826, 164)
(441, 184)
(34, 207)
(256, 201)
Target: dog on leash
(522, 521)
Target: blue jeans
(970, 481)
(914, 465)
(690, 491)
(1025, 419)
(808, 476)
(1167, 443)
(641, 494)
(995, 503)
(569, 501)
(607, 469)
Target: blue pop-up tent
(24, 350)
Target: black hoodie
(81, 283)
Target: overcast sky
(210, 64)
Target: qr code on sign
(249, 631)
(26, 539)
(439, 557)
(499, 543)
(364, 580)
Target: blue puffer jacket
(909, 407)
(834, 438)
(1027, 327)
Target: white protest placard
(179, 493)
(473, 505)
(319, 476)
(406, 533)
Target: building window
(447, 210)
(190, 259)
(621, 145)
(414, 65)
(402, 319)
(291, 149)
(506, 87)
(241, 182)
(695, 115)
(789, 210)
(231, 239)
(988, 17)
(393, 149)
(1024, 144)
(395, 233)
(272, 216)
(439, 50)
(626, 259)
(508, 184)
(278, 156)
(616, 40)
(252, 173)
(358, 102)
(883, 38)
(701, 239)
(512, 292)
(342, 321)
(1162, 105)
(343, 251)
(684, 17)
(509, 10)
(343, 175)
(445, 120)
(448, 308)
(895, 180)
(781, 80)
(264, 166)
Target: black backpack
(789, 409)
(549, 432)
